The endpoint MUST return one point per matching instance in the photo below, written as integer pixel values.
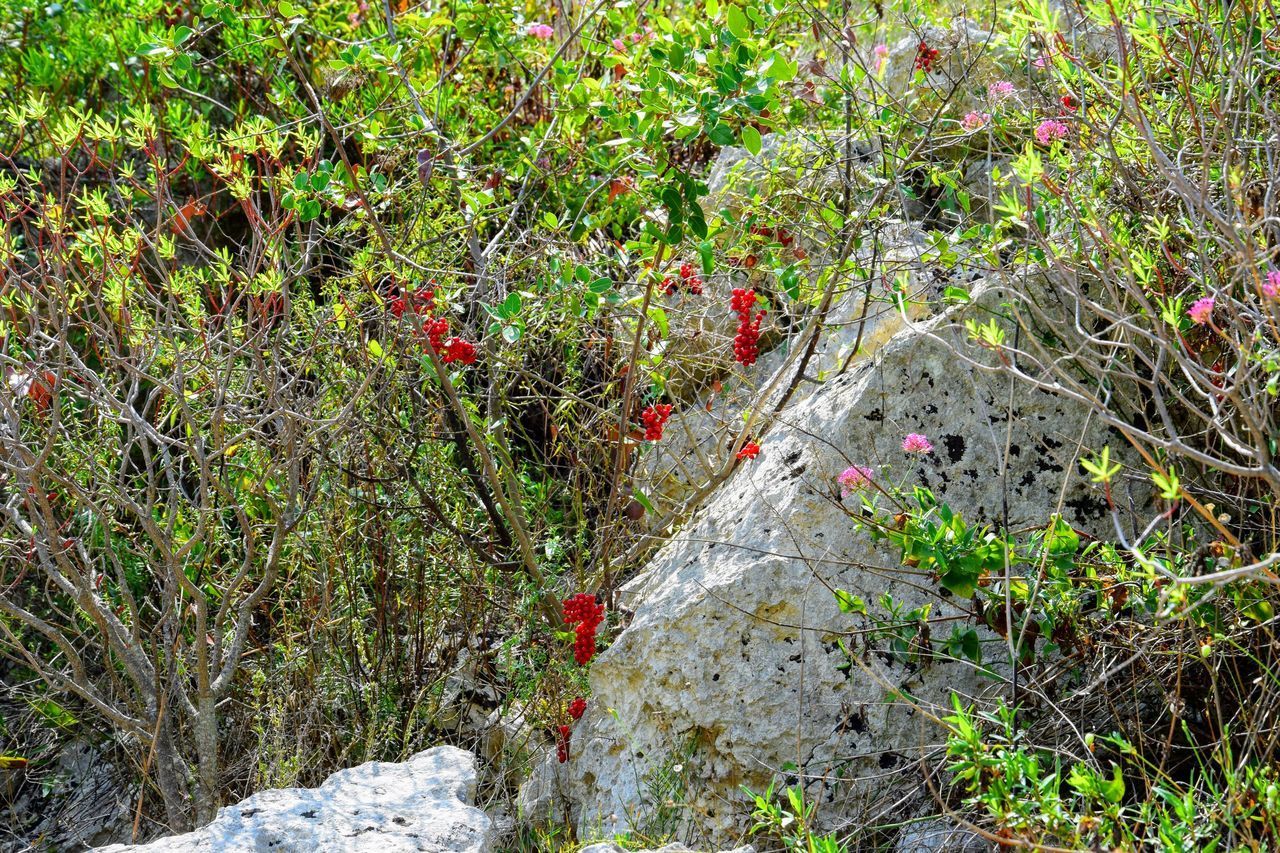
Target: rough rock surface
(731, 671)
(81, 798)
(938, 836)
(423, 804)
(608, 847)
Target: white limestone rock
(939, 836)
(609, 847)
(731, 668)
(423, 804)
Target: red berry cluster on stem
(655, 418)
(423, 304)
(782, 235)
(689, 280)
(746, 343)
(435, 329)
(562, 744)
(925, 57)
(416, 301)
(577, 708)
(750, 450)
(585, 615)
(457, 349)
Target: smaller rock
(939, 836)
(609, 847)
(423, 804)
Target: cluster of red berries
(925, 57)
(1069, 105)
(423, 303)
(577, 708)
(458, 349)
(415, 301)
(562, 744)
(435, 329)
(655, 418)
(585, 615)
(746, 343)
(451, 350)
(750, 450)
(782, 235)
(689, 280)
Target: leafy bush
(328, 330)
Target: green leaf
(659, 318)
(1061, 539)
(738, 23)
(782, 70)
(850, 603)
(643, 500)
(751, 139)
(721, 134)
(789, 278)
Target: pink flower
(1000, 90)
(881, 52)
(1271, 287)
(854, 478)
(1200, 310)
(619, 45)
(916, 443)
(541, 32)
(974, 120)
(1042, 61)
(1049, 130)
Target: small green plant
(785, 816)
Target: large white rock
(423, 804)
(731, 671)
(609, 847)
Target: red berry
(750, 450)
(577, 708)
(562, 744)
(746, 343)
(926, 57)
(582, 611)
(457, 349)
(436, 329)
(686, 270)
(655, 418)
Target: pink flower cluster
(881, 52)
(1271, 287)
(999, 90)
(974, 120)
(542, 32)
(1201, 310)
(855, 478)
(621, 46)
(916, 443)
(1049, 130)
